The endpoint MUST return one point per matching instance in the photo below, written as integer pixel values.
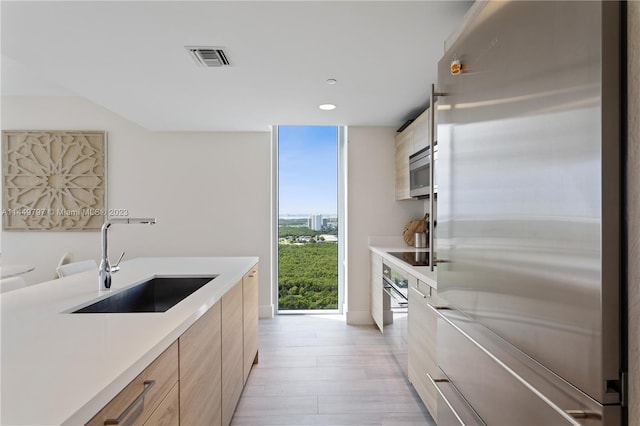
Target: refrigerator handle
(432, 142)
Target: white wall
(208, 191)
(371, 209)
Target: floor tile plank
(317, 370)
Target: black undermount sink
(155, 295)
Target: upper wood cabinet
(404, 147)
(412, 139)
(422, 127)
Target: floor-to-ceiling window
(309, 218)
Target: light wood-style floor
(316, 370)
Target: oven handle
(401, 300)
(388, 282)
(392, 286)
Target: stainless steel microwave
(420, 172)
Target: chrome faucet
(105, 270)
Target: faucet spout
(140, 220)
(106, 270)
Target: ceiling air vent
(208, 56)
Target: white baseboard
(359, 318)
(266, 311)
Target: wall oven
(396, 285)
(420, 171)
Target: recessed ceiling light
(327, 107)
(332, 81)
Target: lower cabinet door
(377, 304)
(200, 371)
(250, 319)
(232, 354)
(422, 331)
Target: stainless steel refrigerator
(529, 217)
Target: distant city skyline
(308, 170)
(306, 215)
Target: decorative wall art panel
(53, 180)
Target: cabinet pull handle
(148, 384)
(581, 414)
(435, 382)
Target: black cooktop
(413, 258)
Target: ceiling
(129, 57)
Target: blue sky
(308, 162)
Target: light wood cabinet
(250, 320)
(135, 404)
(198, 380)
(411, 140)
(200, 371)
(422, 336)
(168, 412)
(422, 127)
(404, 148)
(232, 353)
(377, 304)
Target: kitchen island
(62, 368)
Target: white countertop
(61, 368)
(423, 273)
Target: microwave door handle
(420, 162)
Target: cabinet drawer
(448, 398)
(503, 385)
(422, 342)
(168, 412)
(136, 402)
